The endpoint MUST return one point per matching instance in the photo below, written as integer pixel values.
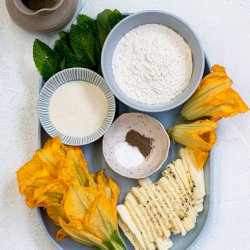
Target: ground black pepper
(143, 143)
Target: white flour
(152, 64)
(78, 108)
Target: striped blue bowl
(67, 75)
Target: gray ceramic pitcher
(48, 16)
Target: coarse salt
(152, 64)
(128, 156)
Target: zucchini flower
(92, 214)
(199, 135)
(83, 204)
(214, 97)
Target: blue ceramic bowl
(148, 17)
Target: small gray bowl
(149, 17)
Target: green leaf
(47, 61)
(84, 42)
(87, 23)
(81, 47)
(70, 60)
(106, 20)
(90, 24)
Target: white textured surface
(223, 27)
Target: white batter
(78, 108)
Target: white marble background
(224, 29)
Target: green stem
(116, 242)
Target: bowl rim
(69, 75)
(137, 177)
(156, 107)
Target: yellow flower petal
(48, 143)
(51, 194)
(47, 160)
(115, 190)
(74, 168)
(77, 232)
(60, 235)
(103, 184)
(55, 211)
(101, 219)
(25, 173)
(39, 180)
(200, 156)
(214, 97)
(200, 134)
(78, 200)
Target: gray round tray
(94, 156)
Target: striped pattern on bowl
(67, 75)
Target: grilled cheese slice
(149, 190)
(130, 230)
(130, 198)
(137, 221)
(150, 210)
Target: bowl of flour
(152, 61)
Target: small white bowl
(145, 125)
(65, 76)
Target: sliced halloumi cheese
(186, 213)
(178, 164)
(186, 218)
(199, 207)
(144, 182)
(170, 199)
(196, 174)
(188, 175)
(153, 197)
(175, 203)
(167, 209)
(131, 237)
(189, 195)
(164, 243)
(178, 185)
(180, 169)
(131, 231)
(162, 221)
(148, 186)
(141, 228)
(130, 198)
(177, 180)
(149, 209)
(175, 186)
(186, 210)
(161, 242)
(199, 201)
(149, 223)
